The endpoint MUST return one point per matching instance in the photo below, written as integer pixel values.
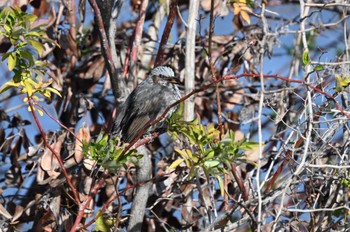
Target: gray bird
(146, 103)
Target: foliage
(241, 8)
(279, 85)
(341, 82)
(27, 40)
(206, 151)
(107, 152)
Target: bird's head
(163, 75)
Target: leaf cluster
(109, 153)
(27, 42)
(206, 151)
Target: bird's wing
(142, 112)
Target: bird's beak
(175, 81)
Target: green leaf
(193, 172)
(319, 67)
(31, 18)
(28, 56)
(40, 63)
(4, 57)
(221, 185)
(101, 225)
(211, 163)
(249, 145)
(306, 57)
(12, 60)
(32, 34)
(341, 82)
(37, 46)
(176, 163)
(210, 154)
(7, 28)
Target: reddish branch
(58, 157)
(58, 122)
(102, 29)
(84, 205)
(166, 33)
(104, 42)
(132, 58)
(212, 68)
(240, 183)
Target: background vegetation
(260, 142)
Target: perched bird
(146, 103)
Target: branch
(166, 33)
(84, 205)
(118, 84)
(136, 42)
(65, 173)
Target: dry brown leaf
(186, 189)
(14, 176)
(220, 7)
(237, 22)
(4, 212)
(111, 184)
(18, 213)
(41, 7)
(82, 135)
(252, 156)
(40, 175)
(49, 162)
(222, 39)
(96, 69)
(89, 164)
(47, 222)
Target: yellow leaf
(37, 46)
(342, 82)
(39, 111)
(236, 9)
(176, 163)
(28, 87)
(54, 91)
(33, 83)
(36, 109)
(221, 184)
(245, 8)
(182, 153)
(245, 16)
(11, 83)
(46, 93)
(11, 62)
(189, 153)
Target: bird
(146, 103)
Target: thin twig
(84, 205)
(166, 33)
(58, 157)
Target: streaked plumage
(146, 103)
